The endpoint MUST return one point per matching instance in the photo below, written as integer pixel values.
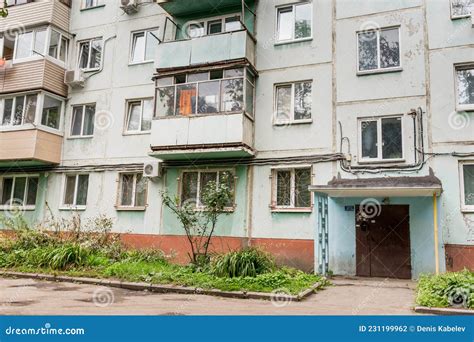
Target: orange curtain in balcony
(186, 101)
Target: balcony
(205, 137)
(36, 13)
(37, 74)
(29, 147)
(181, 8)
(205, 50)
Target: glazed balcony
(36, 13)
(36, 74)
(29, 147)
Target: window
(90, 54)
(31, 43)
(144, 45)
(293, 102)
(379, 50)
(465, 87)
(19, 110)
(83, 120)
(75, 193)
(193, 184)
(132, 190)
(58, 46)
(290, 188)
(467, 186)
(18, 191)
(51, 114)
(461, 8)
(294, 22)
(207, 92)
(381, 139)
(140, 114)
(214, 26)
(89, 3)
(17, 2)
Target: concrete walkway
(347, 296)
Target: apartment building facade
(344, 128)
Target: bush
(448, 289)
(248, 262)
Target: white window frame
(89, 41)
(206, 21)
(292, 120)
(198, 193)
(34, 54)
(456, 16)
(379, 158)
(464, 206)
(48, 43)
(38, 113)
(132, 47)
(23, 124)
(277, 22)
(25, 194)
(274, 190)
(97, 3)
(73, 206)
(461, 107)
(127, 117)
(379, 69)
(119, 206)
(82, 136)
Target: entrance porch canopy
(425, 186)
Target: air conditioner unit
(129, 6)
(74, 78)
(152, 169)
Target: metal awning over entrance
(425, 186)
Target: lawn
(452, 289)
(99, 256)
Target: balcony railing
(37, 74)
(205, 50)
(36, 13)
(30, 146)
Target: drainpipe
(435, 227)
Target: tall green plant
(199, 224)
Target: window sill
(122, 208)
(291, 210)
(199, 115)
(90, 70)
(73, 137)
(379, 71)
(92, 8)
(73, 208)
(21, 207)
(467, 210)
(136, 133)
(140, 63)
(295, 122)
(26, 59)
(460, 16)
(381, 161)
(465, 108)
(293, 41)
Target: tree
(3, 9)
(199, 224)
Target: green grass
(247, 271)
(452, 289)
